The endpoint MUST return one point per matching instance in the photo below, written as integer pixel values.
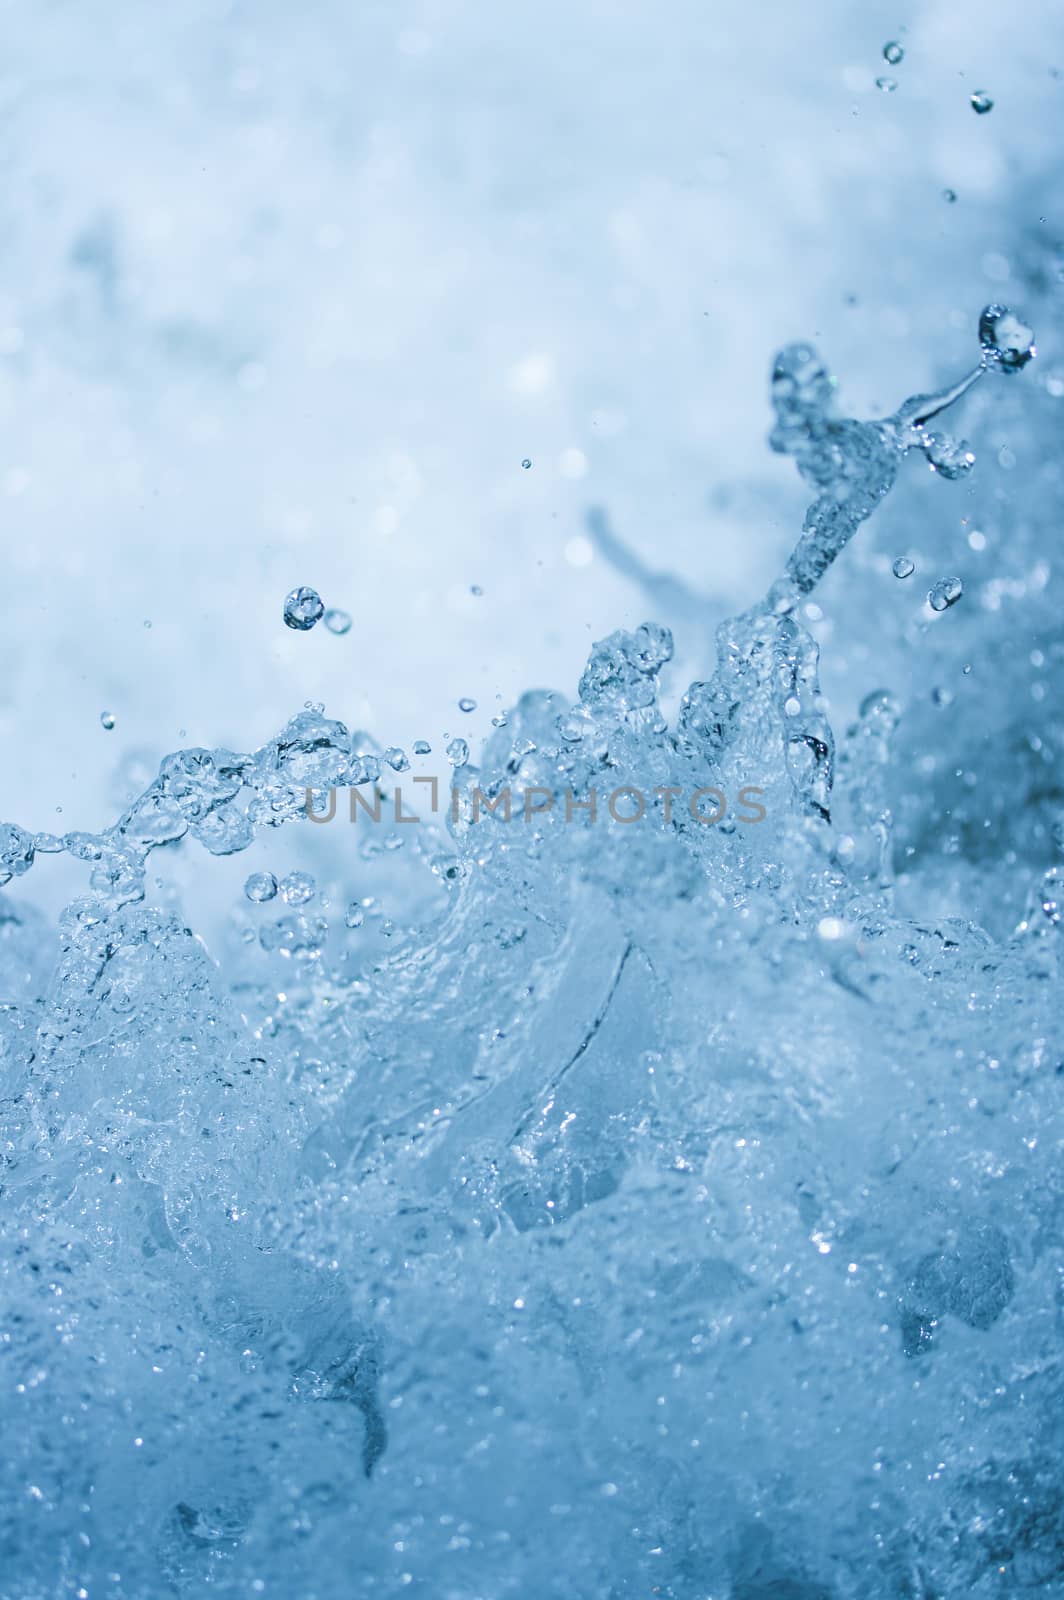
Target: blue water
(585, 1208)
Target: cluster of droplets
(304, 609)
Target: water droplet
(903, 567)
(527, 462)
(303, 608)
(261, 886)
(946, 593)
(107, 720)
(458, 752)
(338, 621)
(981, 103)
(499, 720)
(893, 52)
(888, 85)
(297, 888)
(475, 589)
(422, 747)
(397, 759)
(1008, 343)
(354, 916)
(466, 704)
(950, 196)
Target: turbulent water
(664, 1201)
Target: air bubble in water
(458, 752)
(260, 886)
(338, 621)
(888, 85)
(466, 704)
(903, 567)
(303, 608)
(946, 593)
(297, 888)
(981, 103)
(107, 720)
(893, 52)
(1008, 343)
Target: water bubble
(260, 886)
(946, 593)
(527, 462)
(888, 85)
(337, 621)
(893, 52)
(466, 704)
(903, 567)
(981, 103)
(297, 888)
(1008, 343)
(422, 747)
(16, 851)
(458, 752)
(354, 916)
(303, 608)
(107, 720)
(949, 195)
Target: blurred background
(289, 294)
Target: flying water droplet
(946, 593)
(260, 886)
(981, 103)
(397, 759)
(893, 53)
(1008, 343)
(458, 752)
(467, 705)
(903, 567)
(888, 85)
(354, 916)
(303, 608)
(338, 621)
(476, 590)
(950, 196)
(422, 747)
(107, 720)
(527, 462)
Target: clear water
(593, 1208)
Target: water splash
(574, 1179)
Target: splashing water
(655, 1208)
